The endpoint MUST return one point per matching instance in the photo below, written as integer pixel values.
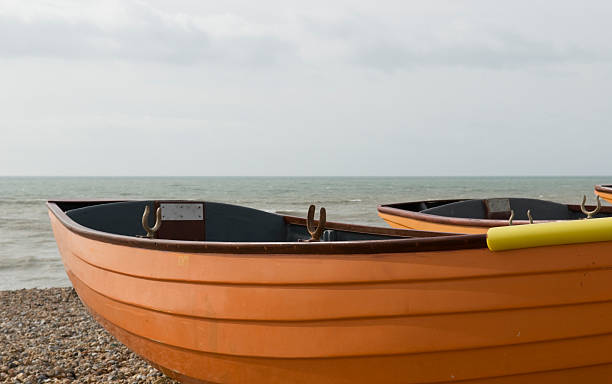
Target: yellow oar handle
(547, 234)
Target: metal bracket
(315, 232)
(145, 219)
(587, 212)
(529, 216)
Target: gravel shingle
(47, 336)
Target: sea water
(29, 256)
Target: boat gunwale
(437, 241)
(605, 188)
(388, 209)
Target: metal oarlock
(315, 232)
(145, 219)
(529, 216)
(590, 214)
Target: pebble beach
(47, 336)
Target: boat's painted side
(605, 192)
(425, 222)
(378, 311)
(401, 218)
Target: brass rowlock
(590, 213)
(145, 219)
(529, 216)
(315, 232)
(512, 216)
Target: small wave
(332, 201)
(23, 202)
(288, 212)
(22, 264)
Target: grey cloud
(148, 38)
(353, 38)
(509, 50)
(513, 52)
(392, 44)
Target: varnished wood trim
(606, 188)
(410, 244)
(367, 229)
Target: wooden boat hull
(605, 192)
(402, 222)
(401, 217)
(386, 315)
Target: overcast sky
(305, 87)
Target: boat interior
(203, 221)
(499, 208)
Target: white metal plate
(182, 211)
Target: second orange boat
(478, 215)
(605, 191)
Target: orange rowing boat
(211, 292)
(478, 215)
(604, 191)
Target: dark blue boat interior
(223, 222)
(477, 209)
